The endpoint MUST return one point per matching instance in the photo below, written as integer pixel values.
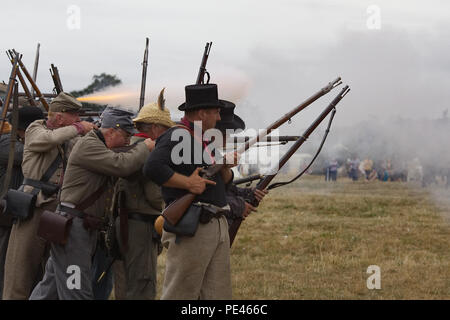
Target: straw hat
(155, 113)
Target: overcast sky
(267, 56)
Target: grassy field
(315, 240)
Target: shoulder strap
(54, 166)
(89, 201)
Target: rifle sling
(279, 184)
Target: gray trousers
(139, 262)
(198, 267)
(4, 239)
(68, 274)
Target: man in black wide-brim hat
(198, 266)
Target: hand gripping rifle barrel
(268, 178)
(175, 210)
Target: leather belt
(210, 211)
(72, 211)
(90, 222)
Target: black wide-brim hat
(229, 120)
(201, 96)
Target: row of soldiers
(98, 170)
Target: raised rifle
(202, 70)
(14, 123)
(239, 139)
(30, 79)
(56, 79)
(9, 91)
(264, 183)
(7, 219)
(175, 210)
(36, 64)
(27, 92)
(144, 75)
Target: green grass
(315, 240)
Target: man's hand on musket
(193, 183)
(259, 194)
(247, 210)
(197, 184)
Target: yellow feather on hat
(161, 100)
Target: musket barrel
(247, 179)
(265, 182)
(144, 75)
(240, 139)
(202, 69)
(290, 114)
(9, 91)
(33, 84)
(27, 92)
(36, 64)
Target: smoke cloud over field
(403, 141)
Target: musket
(268, 178)
(248, 179)
(144, 75)
(33, 84)
(202, 70)
(46, 95)
(239, 139)
(36, 64)
(14, 123)
(175, 210)
(83, 113)
(9, 91)
(56, 79)
(27, 92)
